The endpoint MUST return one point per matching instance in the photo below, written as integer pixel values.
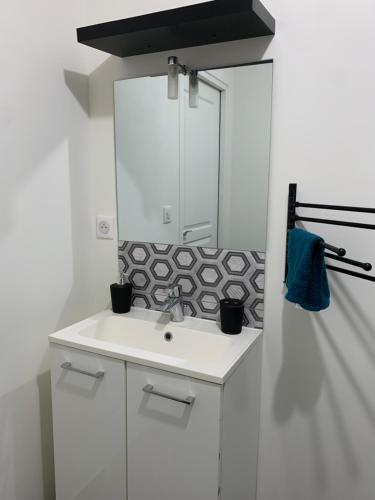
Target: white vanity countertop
(197, 349)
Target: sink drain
(168, 337)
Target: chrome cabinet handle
(68, 366)
(150, 390)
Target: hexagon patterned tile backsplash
(205, 274)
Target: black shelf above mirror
(200, 24)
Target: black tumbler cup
(121, 296)
(231, 316)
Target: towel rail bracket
(293, 218)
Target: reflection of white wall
(147, 160)
(246, 133)
(252, 94)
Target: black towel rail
(336, 222)
(366, 266)
(341, 252)
(341, 208)
(351, 273)
(293, 217)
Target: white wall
(45, 235)
(102, 12)
(318, 413)
(318, 417)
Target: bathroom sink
(159, 337)
(196, 347)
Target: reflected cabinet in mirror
(195, 175)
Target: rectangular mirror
(195, 176)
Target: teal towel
(307, 275)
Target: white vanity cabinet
(125, 431)
(173, 446)
(89, 425)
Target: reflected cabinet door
(173, 446)
(199, 169)
(88, 393)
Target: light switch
(167, 214)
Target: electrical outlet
(105, 227)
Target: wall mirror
(195, 176)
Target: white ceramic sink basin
(160, 338)
(195, 347)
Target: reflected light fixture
(174, 70)
(193, 89)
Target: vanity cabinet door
(173, 447)
(89, 425)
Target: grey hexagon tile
(256, 310)
(189, 309)
(210, 253)
(236, 290)
(139, 253)
(187, 283)
(123, 264)
(254, 264)
(209, 275)
(140, 300)
(161, 249)
(122, 245)
(259, 257)
(208, 302)
(140, 279)
(159, 294)
(257, 280)
(184, 258)
(236, 263)
(161, 270)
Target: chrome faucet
(174, 303)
